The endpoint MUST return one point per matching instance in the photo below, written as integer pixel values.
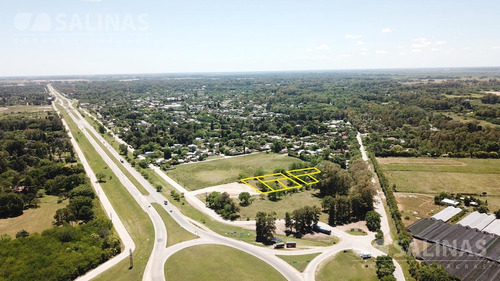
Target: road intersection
(155, 266)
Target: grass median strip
(133, 217)
(299, 262)
(175, 233)
(231, 264)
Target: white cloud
(363, 49)
(386, 30)
(402, 54)
(323, 47)
(352, 36)
(419, 43)
(495, 47)
(309, 49)
(343, 56)
(381, 52)
(435, 49)
(363, 53)
(360, 43)
(416, 50)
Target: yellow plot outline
(282, 178)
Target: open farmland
(216, 172)
(427, 175)
(451, 175)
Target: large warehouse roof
(458, 237)
(464, 265)
(446, 214)
(493, 227)
(477, 220)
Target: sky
(85, 37)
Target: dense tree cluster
(301, 220)
(60, 253)
(28, 94)
(223, 205)
(348, 194)
(265, 227)
(35, 154)
(385, 268)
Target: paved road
(127, 241)
(379, 208)
(155, 266)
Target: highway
(155, 266)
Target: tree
(373, 220)
(385, 266)
(63, 215)
(265, 227)
(333, 180)
(497, 214)
(11, 205)
(159, 188)
(100, 176)
(85, 214)
(482, 209)
(102, 130)
(244, 198)
(22, 234)
(304, 218)
(434, 272)
(123, 149)
(288, 221)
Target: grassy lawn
(23, 109)
(33, 220)
(355, 232)
(215, 262)
(299, 262)
(468, 119)
(210, 173)
(416, 206)
(287, 203)
(133, 217)
(175, 233)
(347, 266)
(454, 175)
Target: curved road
(155, 267)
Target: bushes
(373, 220)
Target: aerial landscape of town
(362, 152)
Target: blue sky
(74, 37)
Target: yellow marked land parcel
(282, 182)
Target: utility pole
(131, 259)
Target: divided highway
(155, 266)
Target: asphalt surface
(155, 266)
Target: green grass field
(454, 175)
(347, 266)
(215, 262)
(175, 233)
(210, 173)
(299, 262)
(287, 203)
(133, 217)
(10, 111)
(33, 220)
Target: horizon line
(248, 72)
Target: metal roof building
(493, 227)
(477, 220)
(447, 213)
